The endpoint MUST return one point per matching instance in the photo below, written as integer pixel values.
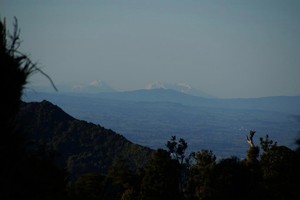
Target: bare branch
(25, 64)
(250, 139)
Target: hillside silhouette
(80, 147)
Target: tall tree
(199, 184)
(177, 149)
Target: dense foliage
(23, 174)
(43, 149)
(273, 175)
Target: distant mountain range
(80, 146)
(285, 104)
(150, 116)
(99, 86)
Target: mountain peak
(94, 86)
(156, 85)
(180, 87)
(47, 109)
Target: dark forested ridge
(80, 146)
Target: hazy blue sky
(227, 48)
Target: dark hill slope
(81, 146)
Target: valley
(150, 118)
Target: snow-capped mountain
(93, 87)
(181, 87)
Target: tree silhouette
(199, 184)
(267, 144)
(177, 148)
(122, 182)
(161, 178)
(23, 175)
(280, 166)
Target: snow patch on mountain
(181, 87)
(93, 87)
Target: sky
(226, 48)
